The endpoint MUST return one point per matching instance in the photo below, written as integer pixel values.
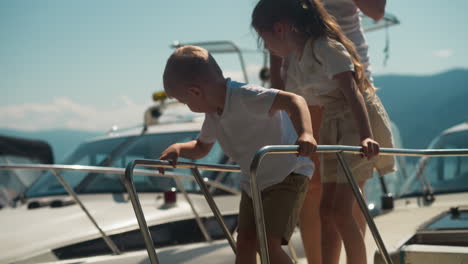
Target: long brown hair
(311, 18)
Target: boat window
(95, 153)
(17, 180)
(456, 219)
(446, 229)
(168, 234)
(89, 154)
(445, 174)
(448, 174)
(146, 147)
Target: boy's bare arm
(194, 149)
(296, 107)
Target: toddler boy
(243, 118)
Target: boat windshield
(445, 174)
(117, 152)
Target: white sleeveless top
(346, 14)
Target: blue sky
(90, 64)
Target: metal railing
(55, 170)
(258, 209)
(223, 46)
(128, 181)
(127, 177)
(339, 150)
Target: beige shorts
(340, 128)
(342, 131)
(282, 204)
(332, 172)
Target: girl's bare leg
(331, 240)
(309, 219)
(347, 225)
(310, 222)
(358, 214)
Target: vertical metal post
(72, 193)
(293, 252)
(256, 195)
(197, 217)
(128, 182)
(258, 207)
(214, 208)
(363, 206)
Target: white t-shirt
(246, 125)
(346, 14)
(312, 74)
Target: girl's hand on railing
(370, 148)
(307, 145)
(171, 154)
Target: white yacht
(429, 219)
(80, 212)
(20, 150)
(47, 224)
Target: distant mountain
(62, 141)
(423, 106)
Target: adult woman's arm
(372, 8)
(275, 72)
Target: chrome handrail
(214, 208)
(338, 149)
(109, 170)
(110, 243)
(194, 211)
(128, 182)
(259, 220)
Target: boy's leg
(246, 247)
(282, 204)
(246, 235)
(275, 252)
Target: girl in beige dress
(324, 68)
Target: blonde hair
(309, 17)
(189, 64)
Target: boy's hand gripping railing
(128, 181)
(339, 150)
